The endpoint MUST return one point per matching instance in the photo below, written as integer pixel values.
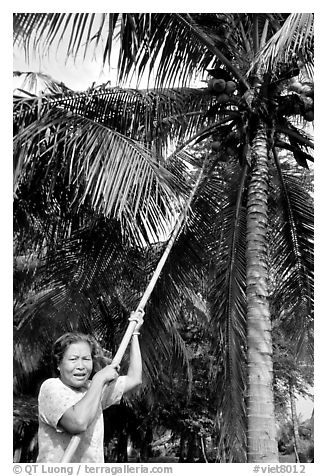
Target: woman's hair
(61, 345)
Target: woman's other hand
(138, 317)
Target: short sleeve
(54, 399)
(113, 392)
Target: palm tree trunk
(261, 431)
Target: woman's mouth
(79, 376)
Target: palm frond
(300, 142)
(292, 42)
(147, 116)
(228, 315)
(116, 174)
(292, 260)
(35, 31)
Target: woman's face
(76, 365)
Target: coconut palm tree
(253, 108)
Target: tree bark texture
(261, 427)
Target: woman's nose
(80, 364)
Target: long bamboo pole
(75, 440)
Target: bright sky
(304, 407)
(77, 76)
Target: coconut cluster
(305, 92)
(224, 89)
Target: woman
(72, 403)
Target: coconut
(219, 85)
(296, 108)
(309, 115)
(230, 87)
(223, 98)
(215, 146)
